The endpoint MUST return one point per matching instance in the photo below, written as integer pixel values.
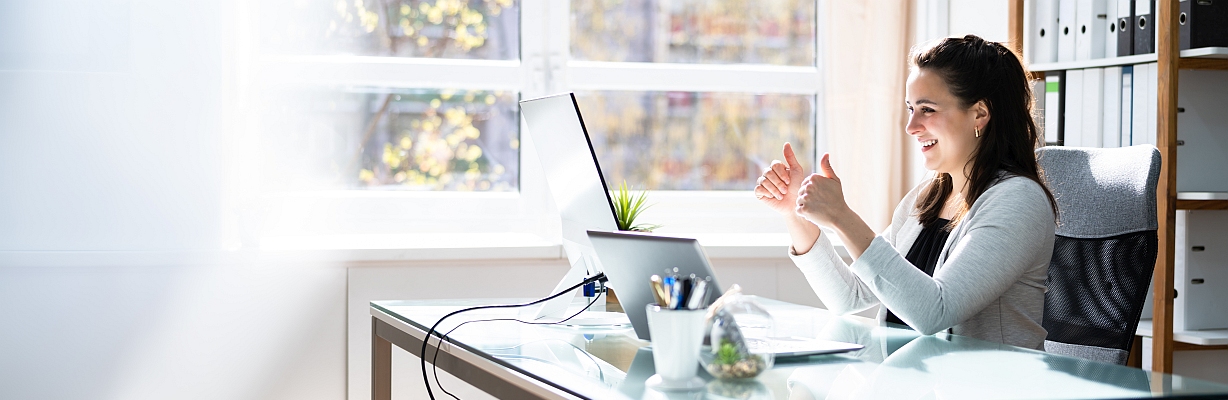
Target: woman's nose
(912, 127)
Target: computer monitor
(573, 175)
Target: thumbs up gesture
(778, 186)
(821, 198)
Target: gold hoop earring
(976, 131)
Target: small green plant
(727, 353)
(628, 206)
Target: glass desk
(508, 359)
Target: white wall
(111, 117)
(185, 332)
(114, 119)
(987, 19)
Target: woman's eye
(910, 110)
(927, 110)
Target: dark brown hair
(978, 70)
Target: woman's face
(942, 127)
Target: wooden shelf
(1204, 63)
(1201, 58)
(1202, 200)
(1216, 337)
(1202, 204)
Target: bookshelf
(1170, 61)
(1203, 58)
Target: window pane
(695, 141)
(776, 32)
(469, 29)
(399, 139)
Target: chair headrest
(1102, 192)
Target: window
(771, 32)
(448, 29)
(401, 115)
(693, 98)
(371, 107)
(680, 140)
(389, 138)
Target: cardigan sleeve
(996, 244)
(837, 286)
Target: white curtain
(865, 61)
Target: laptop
(630, 258)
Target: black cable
(435, 358)
(426, 381)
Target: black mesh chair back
(1105, 249)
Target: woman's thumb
(825, 164)
(790, 158)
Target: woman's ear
(981, 113)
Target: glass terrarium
(735, 338)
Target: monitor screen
(573, 175)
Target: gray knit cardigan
(989, 282)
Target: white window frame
(694, 211)
(545, 67)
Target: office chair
(1105, 249)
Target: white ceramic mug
(676, 338)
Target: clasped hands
(818, 198)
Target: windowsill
(386, 248)
(488, 246)
(411, 247)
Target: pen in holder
(676, 338)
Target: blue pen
(671, 287)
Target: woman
(968, 250)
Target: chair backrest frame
(1104, 250)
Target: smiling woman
(979, 233)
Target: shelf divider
(1168, 52)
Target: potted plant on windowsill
(627, 207)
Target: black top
(924, 252)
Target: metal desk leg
(381, 365)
